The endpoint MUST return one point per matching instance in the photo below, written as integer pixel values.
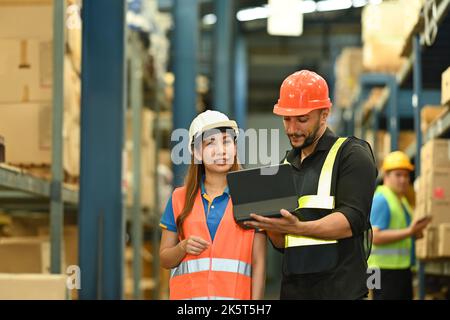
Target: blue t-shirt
(214, 211)
(380, 217)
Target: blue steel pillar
(56, 203)
(393, 121)
(101, 216)
(185, 40)
(376, 127)
(223, 54)
(241, 82)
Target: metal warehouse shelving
(21, 191)
(395, 102)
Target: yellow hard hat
(397, 160)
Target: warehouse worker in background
(211, 257)
(393, 232)
(325, 241)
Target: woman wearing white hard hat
(211, 257)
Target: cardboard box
(437, 184)
(74, 36)
(147, 122)
(435, 154)
(419, 210)
(147, 157)
(148, 167)
(72, 148)
(70, 243)
(420, 189)
(28, 130)
(72, 92)
(383, 55)
(381, 20)
(445, 92)
(434, 196)
(420, 249)
(24, 255)
(348, 68)
(427, 247)
(385, 30)
(439, 211)
(33, 287)
(26, 19)
(26, 70)
(379, 149)
(429, 114)
(444, 240)
(147, 190)
(373, 99)
(405, 138)
(395, 18)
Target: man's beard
(309, 140)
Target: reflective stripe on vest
(323, 199)
(211, 298)
(217, 264)
(392, 252)
(299, 241)
(316, 202)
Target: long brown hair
(192, 184)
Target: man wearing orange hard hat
(393, 232)
(325, 241)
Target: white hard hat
(209, 120)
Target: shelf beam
(14, 180)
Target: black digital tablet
(263, 191)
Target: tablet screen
(251, 186)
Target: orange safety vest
(224, 270)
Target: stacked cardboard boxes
(148, 275)
(35, 230)
(385, 29)
(25, 247)
(33, 287)
(429, 114)
(433, 198)
(70, 248)
(148, 149)
(24, 255)
(26, 78)
(74, 33)
(373, 99)
(348, 68)
(383, 142)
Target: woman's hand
(194, 245)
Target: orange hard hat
(301, 93)
(397, 160)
